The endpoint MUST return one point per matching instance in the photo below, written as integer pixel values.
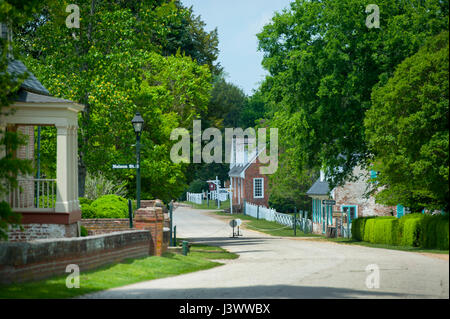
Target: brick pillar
(151, 219)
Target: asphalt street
(274, 267)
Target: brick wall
(27, 261)
(352, 193)
(105, 225)
(251, 173)
(152, 219)
(42, 231)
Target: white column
(62, 172)
(239, 190)
(76, 203)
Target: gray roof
(319, 188)
(237, 170)
(29, 97)
(31, 84)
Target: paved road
(272, 267)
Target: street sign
(329, 202)
(125, 166)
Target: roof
(237, 170)
(319, 188)
(29, 97)
(31, 84)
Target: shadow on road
(254, 292)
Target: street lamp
(138, 123)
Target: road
(274, 267)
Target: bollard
(171, 244)
(175, 235)
(185, 247)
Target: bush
(110, 206)
(83, 231)
(87, 211)
(358, 226)
(385, 231)
(434, 232)
(98, 186)
(409, 230)
(84, 200)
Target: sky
(238, 22)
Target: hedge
(414, 230)
(107, 206)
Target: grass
(385, 246)
(264, 226)
(212, 205)
(127, 272)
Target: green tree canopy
(323, 62)
(407, 130)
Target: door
(350, 213)
(324, 220)
(400, 211)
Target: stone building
(351, 201)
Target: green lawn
(264, 226)
(124, 273)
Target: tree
(114, 59)
(323, 62)
(407, 130)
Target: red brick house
(246, 180)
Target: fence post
(130, 213)
(245, 206)
(295, 221)
(257, 212)
(171, 222)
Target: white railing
(270, 214)
(33, 193)
(196, 198)
(222, 196)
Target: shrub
(84, 200)
(434, 232)
(110, 206)
(87, 211)
(385, 231)
(83, 231)
(409, 230)
(358, 226)
(369, 230)
(98, 186)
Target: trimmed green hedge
(108, 206)
(414, 230)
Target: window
(258, 188)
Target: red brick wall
(41, 259)
(152, 219)
(105, 225)
(251, 173)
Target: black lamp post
(138, 123)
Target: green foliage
(7, 217)
(323, 63)
(435, 232)
(197, 186)
(83, 231)
(412, 230)
(358, 227)
(108, 206)
(385, 231)
(408, 130)
(98, 186)
(151, 56)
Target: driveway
(274, 267)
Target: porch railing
(33, 193)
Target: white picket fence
(196, 198)
(270, 214)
